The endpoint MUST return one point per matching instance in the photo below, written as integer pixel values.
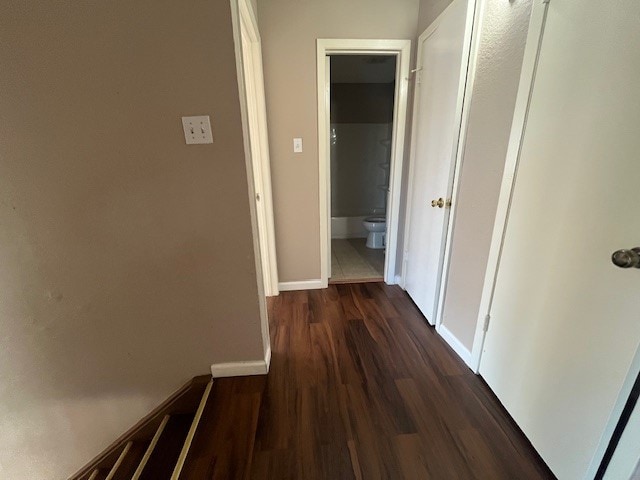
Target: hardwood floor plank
(223, 445)
(361, 387)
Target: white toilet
(376, 226)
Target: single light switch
(297, 145)
(197, 129)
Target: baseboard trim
(242, 369)
(455, 344)
(301, 285)
(267, 358)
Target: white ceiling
(363, 68)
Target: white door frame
(253, 100)
(242, 16)
(521, 111)
(467, 79)
(402, 50)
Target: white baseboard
(456, 344)
(301, 285)
(241, 369)
(267, 358)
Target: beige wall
(127, 256)
(503, 34)
(429, 11)
(289, 30)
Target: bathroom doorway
(361, 96)
(362, 87)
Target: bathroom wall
(361, 128)
(127, 256)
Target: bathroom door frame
(401, 49)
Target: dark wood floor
(360, 387)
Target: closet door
(565, 321)
(443, 54)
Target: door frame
(518, 125)
(463, 102)
(253, 98)
(402, 51)
(242, 15)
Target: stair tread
(131, 461)
(165, 454)
(222, 447)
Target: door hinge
(487, 318)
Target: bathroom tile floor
(352, 261)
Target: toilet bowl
(376, 226)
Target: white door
(443, 54)
(254, 91)
(565, 322)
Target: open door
(258, 140)
(443, 56)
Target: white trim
(401, 49)
(237, 17)
(398, 281)
(454, 343)
(525, 88)
(149, 451)
(249, 22)
(302, 285)
(267, 359)
(244, 368)
(239, 369)
(192, 432)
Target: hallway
(360, 387)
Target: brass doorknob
(438, 203)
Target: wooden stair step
(164, 455)
(222, 447)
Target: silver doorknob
(626, 258)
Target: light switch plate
(197, 129)
(297, 145)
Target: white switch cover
(197, 129)
(297, 145)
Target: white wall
(501, 49)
